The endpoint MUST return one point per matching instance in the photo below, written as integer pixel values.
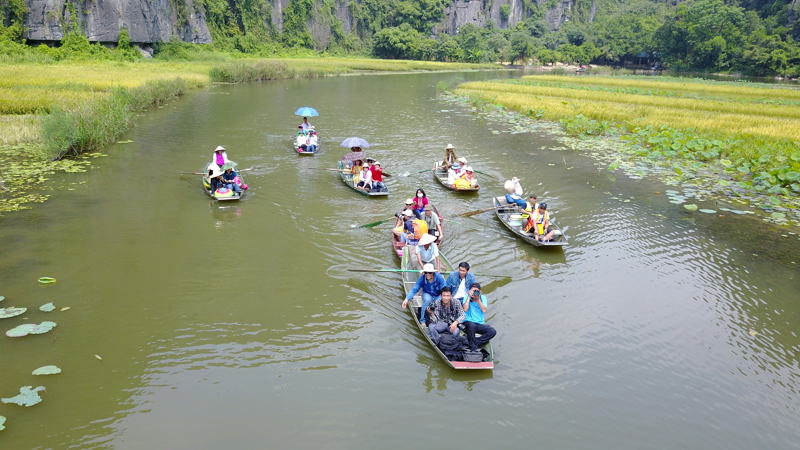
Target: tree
(521, 46)
(397, 42)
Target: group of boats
(508, 214)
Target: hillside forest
(754, 37)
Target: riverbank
(729, 139)
(49, 111)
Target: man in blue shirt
(459, 282)
(431, 283)
(474, 309)
(228, 178)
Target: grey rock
(148, 21)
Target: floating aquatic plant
(47, 307)
(5, 313)
(2, 298)
(2, 423)
(28, 396)
(691, 207)
(47, 370)
(30, 328)
(708, 211)
(47, 280)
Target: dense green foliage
(750, 36)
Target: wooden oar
(335, 170)
(478, 211)
(449, 220)
(417, 271)
(375, 224)
(491, 176)
(191, 173)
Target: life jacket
(420, 228)
(537, 220)
(527, 211)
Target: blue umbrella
(354, 142)
(306, 111)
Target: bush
(505, 12)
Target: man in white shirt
(305, 125)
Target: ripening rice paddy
(718, 109)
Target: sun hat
(219, 148)
(449, 146)
(509, 186)
(469, 169)
(215, 171)
(456, 166)
(312, 127)
(462, 159)
(407, 212)
(427, 239)
(410, 201)
(428, 268)
(300, 126)
(377, 163)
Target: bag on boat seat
(472, 356)
(448, 342)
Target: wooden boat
(398, 246)
(504, 214)
(347, 178)
(300, 151)
(440, 174)
(218, 195)
(415, 304)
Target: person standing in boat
(431, 284)
(305, 125)
(220, 156)
(449, 157)
(474, 309)
(446, 315)
(434, 225)
(428, 253)
(460, 282)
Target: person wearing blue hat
(452, 174)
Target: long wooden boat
(415, 305)
(398, 245)
(217, 195)
(347, 178)
(440, 174)
(504, 214)
(300, 151)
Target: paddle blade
(375, 224)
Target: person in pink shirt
(420, 202)
(220, 156)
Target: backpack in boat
(420, 228)
(448, 342)
(472, 356)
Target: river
(239, 326)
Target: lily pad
(5, 313)
(2, 298)
(778, 215)
(47, 370)
(2, 422)
(691, 207)
(21, 330)
(43, 327)
(708, 211)
(47, 280)
(47, 307)
(28, 396)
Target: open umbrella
(354, 142)
(306, 111)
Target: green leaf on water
(47, 307)
(743, 169)
(708, 211)
(774, 200)
(2, 298)
(47, 370)
(778, 215)
(791, 176)
(47, 280)
(678, 171)
(5, 313)
(763, 159)
(28, 396)
(725, 183)
(124, 142)
(43, 327)
(30, 328)
(613, 166)
(725, 162)
(2, 423)
(691, 207)
(795, 157)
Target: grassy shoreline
(52, 111)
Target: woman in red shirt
(420, 202)
(377, 176)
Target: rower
(449, 157)
(305, 125)
(220, 156)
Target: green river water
(238, 326)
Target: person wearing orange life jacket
(540, 223)
(414, 228)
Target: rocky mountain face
(147, 21)
(151, 21)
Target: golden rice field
(716, 116)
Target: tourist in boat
(413, 228)
(313, 141)
(220, 156)
(420, 201)
(460, 281)
(377, 175)
(474, 309)
(430, 283)
(539, 222)
(229, 180)
(428, 253)
(445, 315)
(452, 174)
(449, 157)
(305, 125)
(213, 177)
(398, 223)
(356, 171)
(355, 153)
(434, 225)
(365, 179)
(469, 176)
(301, 142)
(529, 208)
